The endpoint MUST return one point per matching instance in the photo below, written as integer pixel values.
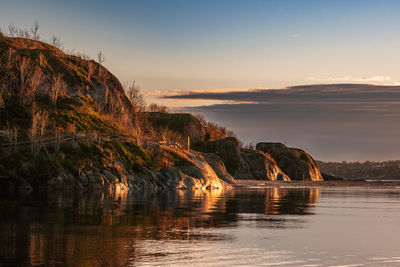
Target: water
(242, 227)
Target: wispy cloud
(202, 91)
(296, 35)
(377, 78)
(329, 93)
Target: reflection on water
(243, 226)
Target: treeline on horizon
(384, 170)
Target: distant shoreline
(363, 184)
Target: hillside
(68, 124)
(32, 69)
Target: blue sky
(167, 45)
(172, 45)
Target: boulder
(294, 162)
(228, 151)
(262, 166)
(178, 124)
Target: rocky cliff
(81, 76)
(243, 163)
(262, 166)
(296, 163)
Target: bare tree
(26, 34)
(153, 107)
(24, 65)
(139, 107)
(12, 30)
(35, 31)
(20, 33)
(91, 69)
(29, 80)
(57, 87)
(10, 70)
(35, 81)
(135, 96)
(10, 58)
(56, 41)
(100, 57)
(39, 121)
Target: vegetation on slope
(45, 92)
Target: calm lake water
(243, 227)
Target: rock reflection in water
(101, 230)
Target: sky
(172, 46)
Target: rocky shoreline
(183, 172)
(150, 156)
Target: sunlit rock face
(191, 173)
(200, 174)
(262, 166)
(243, 163)
(228, 151)
(294, 162)
(219, 168)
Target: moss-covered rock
(181, 125)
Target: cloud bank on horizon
(331, 121)
(385, 80)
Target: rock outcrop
(180, 125)
(296, 163)
(219, 167)
(243, 163)
(81, 76)
(228, 151)
(191, 172)
(262, 165)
